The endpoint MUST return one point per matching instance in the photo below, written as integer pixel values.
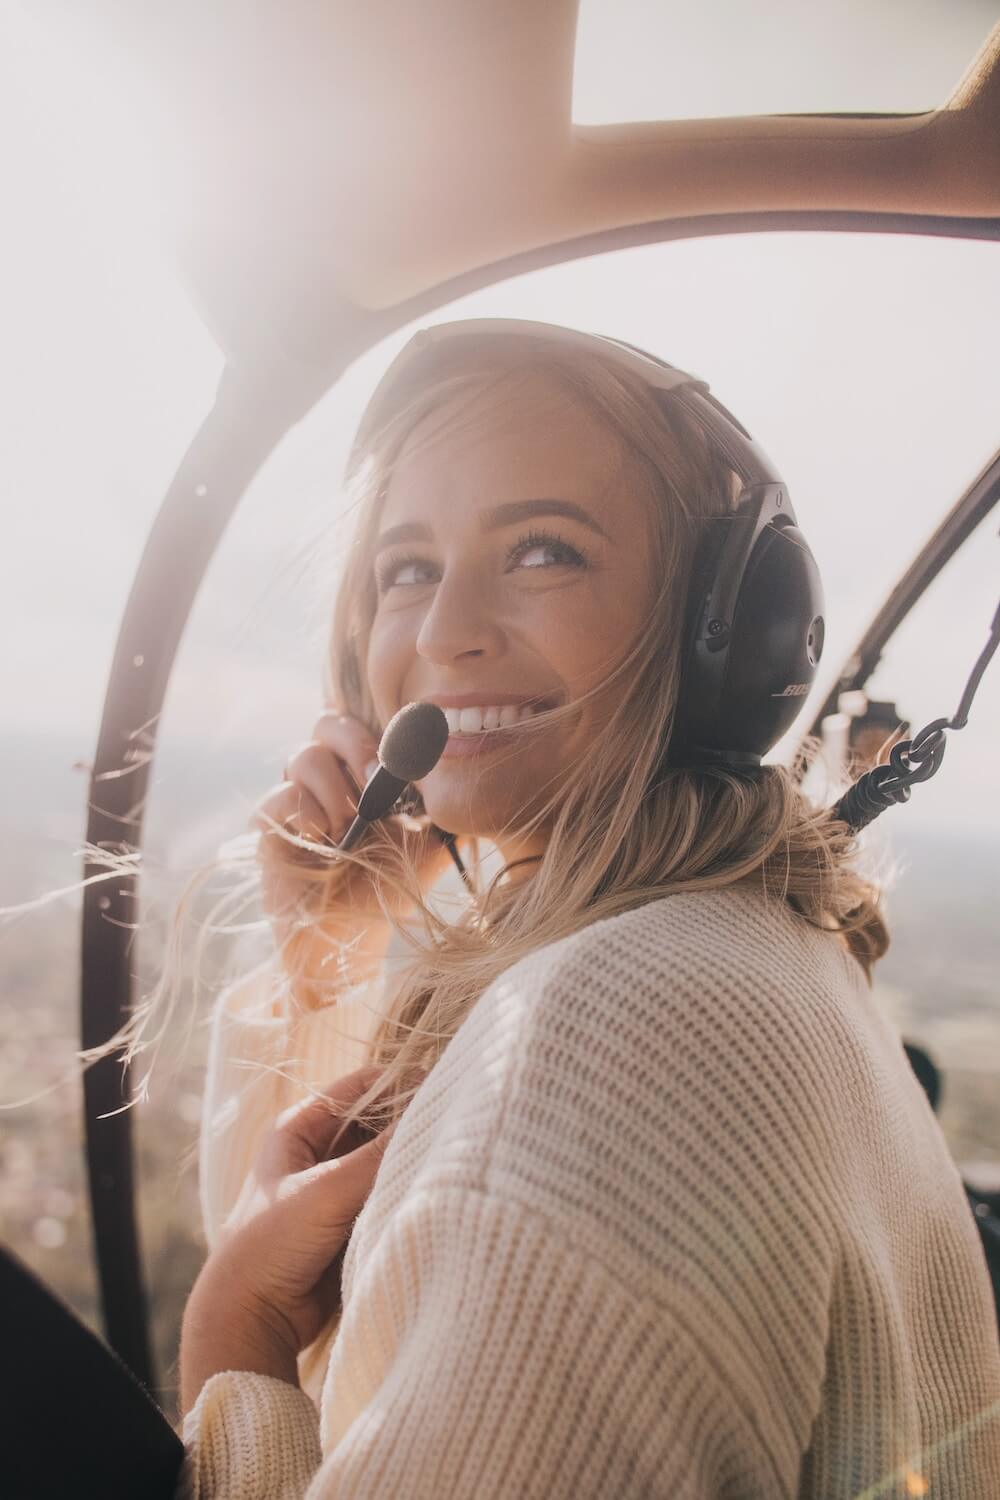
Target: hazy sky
(867, 366)
(665, 60)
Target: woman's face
(513, 567)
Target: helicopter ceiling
(317, 162)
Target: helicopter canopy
(315, 163)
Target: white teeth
(493, 716)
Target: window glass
(673, 61)
(939, 978)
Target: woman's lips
(491, 736)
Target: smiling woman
(484, 616)
(618, 1072)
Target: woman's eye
(398, 572)
(536, 551)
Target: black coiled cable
(911, 760)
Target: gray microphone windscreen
(413, 740)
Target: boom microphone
(410, 748)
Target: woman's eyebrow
(524, 510)
(506, 514)
(408, 531)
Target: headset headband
(746, 456)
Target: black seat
(78, 1420)
(985, 1206)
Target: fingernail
(370, 769)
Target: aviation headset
(753, 621)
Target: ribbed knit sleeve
(249, 1435)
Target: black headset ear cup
(777, 640)
(743, 681)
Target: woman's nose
(461, 621)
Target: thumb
(334, 1192)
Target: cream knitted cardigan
(670, 1217)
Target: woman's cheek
(596, 629)
(386, 664)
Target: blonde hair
(624, 827)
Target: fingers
(304, 1132)
(347, 913)
(350, 740)
(316, 1208)
(322, 777)
(340, 1187)
(321, 774)
(294, 807)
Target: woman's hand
(318, 799)
(273, 1283)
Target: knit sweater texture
(670, 1217)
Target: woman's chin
(477, 810)
(489, 793)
